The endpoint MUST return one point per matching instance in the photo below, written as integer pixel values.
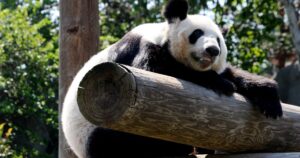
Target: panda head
(194, 40)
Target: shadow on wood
(154, 105)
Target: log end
(105, 93)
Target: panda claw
(270, 109)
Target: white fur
(152, 32)
(75, 127)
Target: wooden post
(154, 105)
(79, 38)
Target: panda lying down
(190, 47)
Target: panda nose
(212, 51)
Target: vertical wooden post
(79, 39)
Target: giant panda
(189, 47)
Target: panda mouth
(204, 60)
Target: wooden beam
(154, 105)
(79, 38)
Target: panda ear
(175, 9)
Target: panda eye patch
(218, 39)
(195, 35)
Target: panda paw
(271, 108)
(267, 100)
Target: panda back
(152, 32)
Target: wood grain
(154, 105)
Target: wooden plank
(79, 37)
(154, 105)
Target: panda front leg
(212, 80)
(208, 79)
(260, 91)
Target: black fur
(126, 49)
(105, 143)
(218, 39)
(195, 35)
(176, 9)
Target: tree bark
(79, 38)
(154, 105)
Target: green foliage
(255, 24)
(28, 82)
(5, 148)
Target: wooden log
(154, 105)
